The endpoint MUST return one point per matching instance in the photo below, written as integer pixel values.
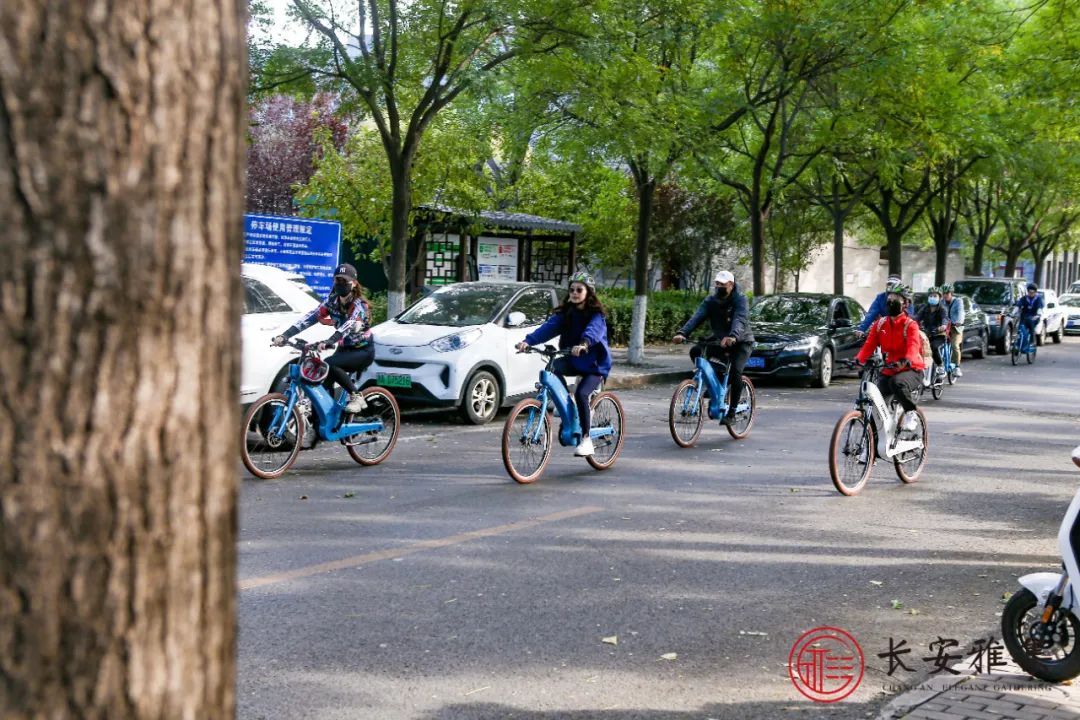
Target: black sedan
(802, 335)
(976, 328)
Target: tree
(121, 191)
(978, 208)
(285, 142)
(407, 62)
(690, 228)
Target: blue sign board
(308, 247)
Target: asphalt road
(432, 587)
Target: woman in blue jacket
(581, 324)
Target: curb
(639, 380)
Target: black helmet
(1032, 286)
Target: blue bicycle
(685, 416)
(943, 373)
(1023, 344)
(276, 423)
(528, 434)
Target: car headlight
(801, 345)
(457, 341)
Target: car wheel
(1056, 335)
(1040, 339)
(1006, 340)
(481, 399)
(825, 368)
(984, 346)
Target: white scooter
(1040, 625)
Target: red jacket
(899, 339)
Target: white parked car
(273, 300)
(1053, 317)
(1070, 303)
(455, 347)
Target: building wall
(865, 271)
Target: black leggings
(584, 388)
(345, 361)
(935, 346)
(902, 385)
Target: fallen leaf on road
(913, 611)
(472, 692)
(303, 497)
(349, 495)
(613, 640)
(896, 604)
(876, 582)
(669, 656)
(1006, 595)
(758, 633)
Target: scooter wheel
(1055, 660)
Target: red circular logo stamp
(826, 664)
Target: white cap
(724, 277)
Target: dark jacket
(878, 310)
(729, 317)
(931, 317)
(574, 326)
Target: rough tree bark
(121, 193)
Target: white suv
(273, 300)
(455, 347)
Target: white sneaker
(911, 422)
(940, 370)
(357, 403)
(585, 448)
(958, 372)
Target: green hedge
(666, 312)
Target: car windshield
(791, 309)
(986, 293)
(459, 305)
(1070, 300)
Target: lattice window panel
(550, 261)
(442, 255)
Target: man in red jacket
(897, 335)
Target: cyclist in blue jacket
(879, 308)
(581, 324)
(1030, 307)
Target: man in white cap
(729, 319)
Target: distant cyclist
(955, 306)
(347, 310)
(934, 319)
(728, 314)
(1030, 307)
(877, 308)
(581, 324)
(897, 334)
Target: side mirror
(515, 319)
(841, 323)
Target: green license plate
(394, 380)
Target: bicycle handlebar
(547, 351)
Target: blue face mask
(932, 300)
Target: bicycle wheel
(851, 453)
(374, 446)
(526, 441)
(270, 441)
(910, 464)
(686, 415)
(1015, 355)
(744, 420)
(937, 385)
(607, 412)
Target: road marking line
(367, 558)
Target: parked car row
(455, 346)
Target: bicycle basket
(314, 369)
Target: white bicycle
(854, 447)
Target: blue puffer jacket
(574, 326)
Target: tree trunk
(893, 238)
(838, 239)
(400, 206)
(1010, 261)
(977, 258)
(636, 351)
(757, 244)
(121, 195)
(941, 260)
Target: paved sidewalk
(1007, 693)
(663, 364)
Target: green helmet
(584, 278)
(946, 288)
(934, 291)
(902, 290)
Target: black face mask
(721, 292)
(894, 307)
(342, 289)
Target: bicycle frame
(1023, 341)
(705, 375)
(551, 388)
(328, 411)
(871, 404)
